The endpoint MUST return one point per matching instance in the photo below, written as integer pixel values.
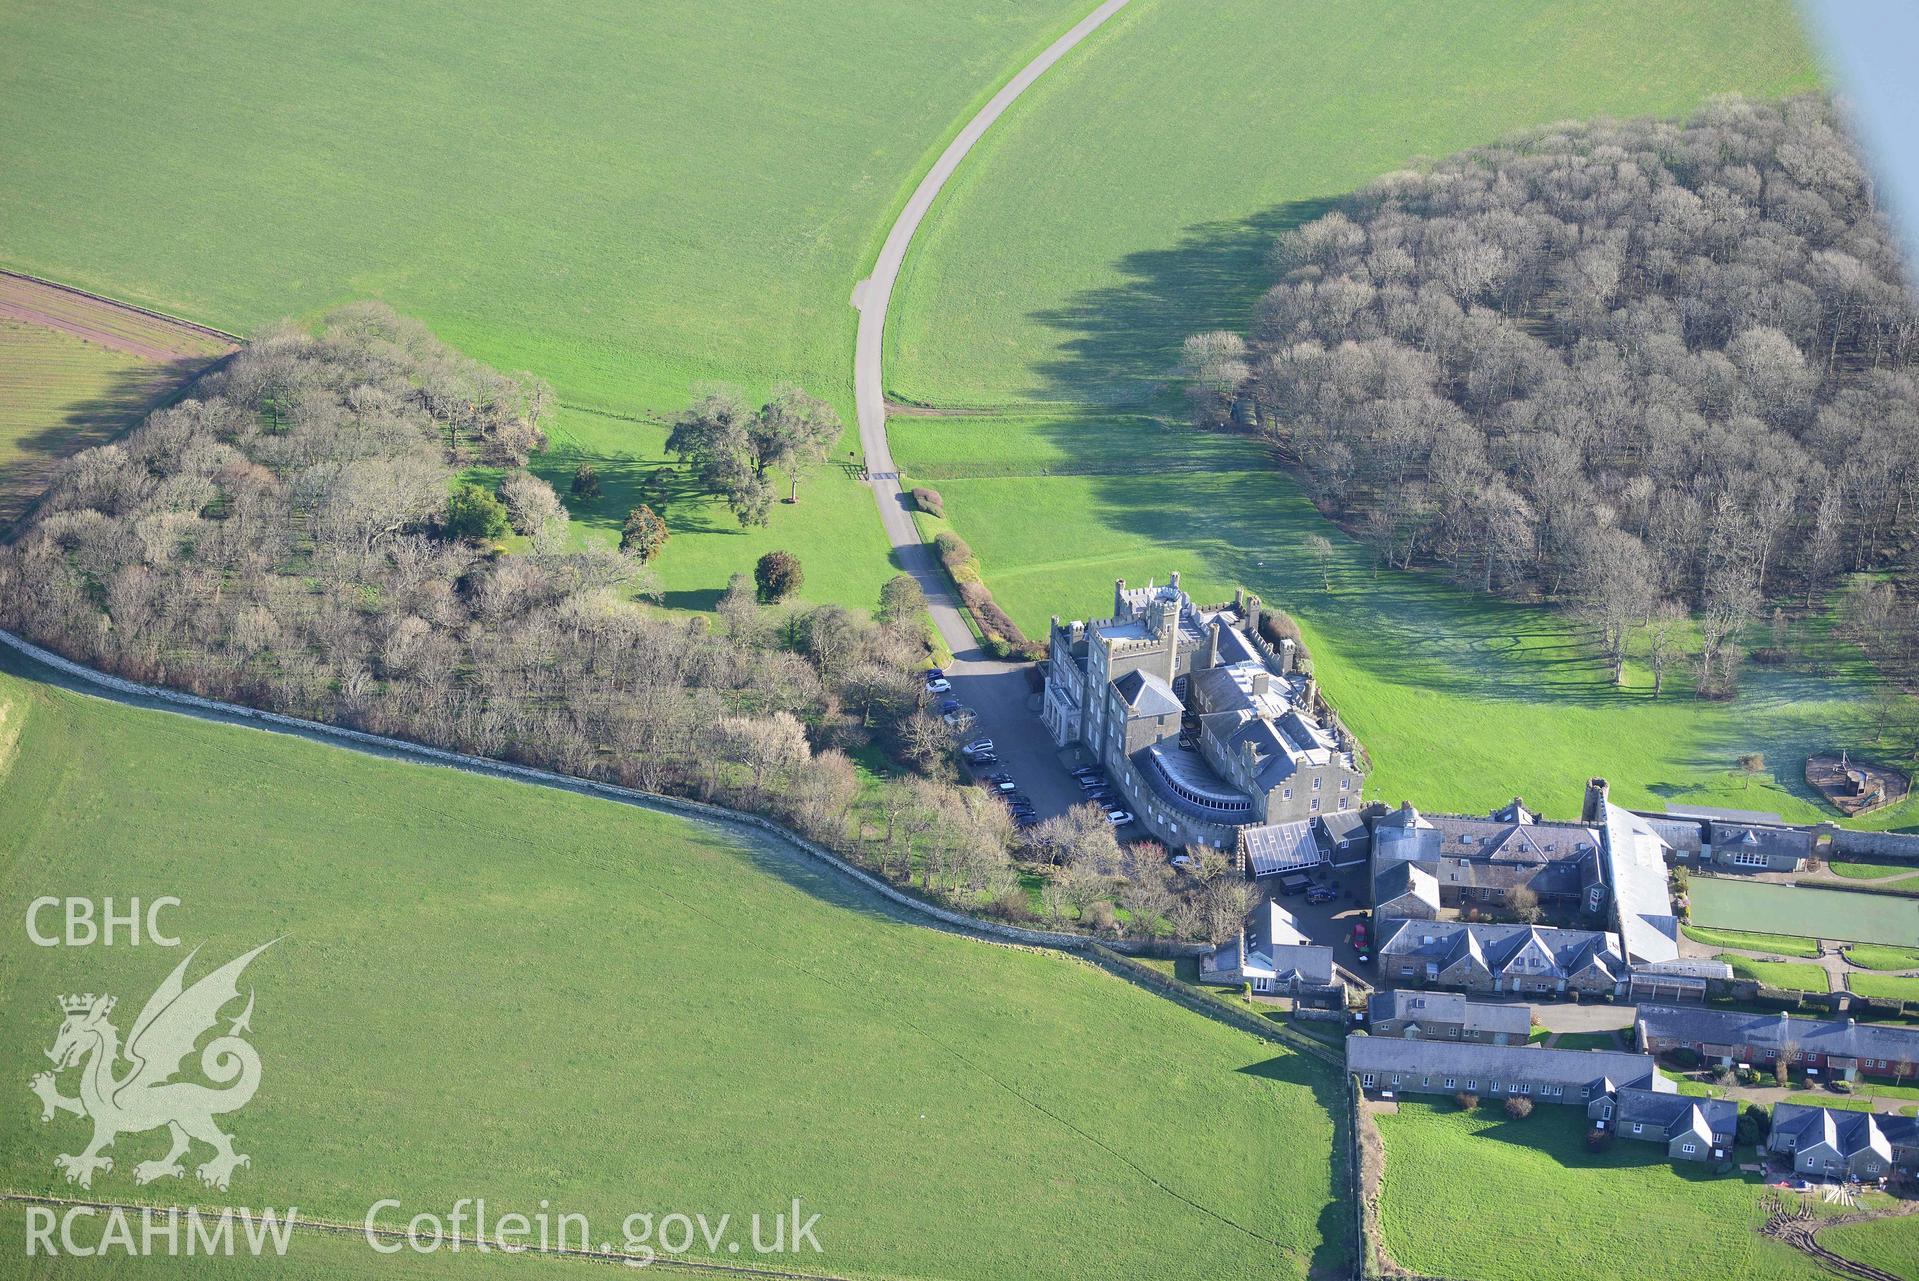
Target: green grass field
(1883, 958)
(59, 394)
(487, 988)
(1626, 1212)
(1778, 944)
(1892, 987)
(625, 201)
(1892, 1246)
(1871, 871)
(1197, 134)
(1722, 902)
(1792, 975)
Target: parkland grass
(587, 194)
(1793, 975)
(484, 988)
(1827, 913)
(1461, 700)
(1628, 1211)
(1871, 871)
(1891, 1245)
(1778, 944)
(1874, 957)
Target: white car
(978, 747)
(1182, 861)
(959, 719)
(938, 685)
(1119, 818)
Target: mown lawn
(1891, 987)
(1462, 701)
(1792, 975)
(1451, 1205)
(1875, 957)
(1723, 902)
(490, 989)
(1871, 871)
(1780, 944)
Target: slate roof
(1846, 1133)
(1401, 879)
(1498, 947)
(1400, 1004)
(1696, 1025)
(1341, 827)
(1514, 813)
(1524, 842)
(1280, 847)
(1504, 1063)
(1782, 842)
(1641, 899)
(1712, 812)
(1146, 694)
(1675, 1114)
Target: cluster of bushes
(929, 501)
(1001, 635)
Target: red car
(1359, 938)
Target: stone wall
(1899, 847)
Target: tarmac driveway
(1002, 701)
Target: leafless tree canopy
(1611, 364)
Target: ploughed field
(489, 989)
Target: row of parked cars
(1100, 790)
(982, 756)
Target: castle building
(1204, 725)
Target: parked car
(1359, 939)
(959, 717)
(1005, 785)
(985, 761)
(1321, 894)
(1181, 861)
(977, 746)
(938, 685)
(1092, 782)
(1001, 777)
(949, 704)
(1085, 771)
(1295, 883)
(1019, 800)
(1119, 818)
(1025, 818)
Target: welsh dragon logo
(145, 1096)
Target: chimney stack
(1212, 644)
(1119, 598)
(1595, 811)
(1252, 615)
(1169, 632)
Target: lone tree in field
(793, 431)
(1751, 765)
(1320, 548)
(644, 534)
(586, 482)
(778, 575)
(901, 599)
(730, 449)
(474, 514)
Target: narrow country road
(871, 297)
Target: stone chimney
(1595, 811)
(1212, 644)
(1262, 683)
(1119, 598)
(1172, 583)
(1252, 615)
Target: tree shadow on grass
(27, 461)
(1122, 341)
(1334, 1254)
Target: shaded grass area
(1586, 1041)
(1875, 957)
(1781, 944)
(490, 989)
(60, 394)
(1791, 975)
(1625, 1212)
(1827, 913)
(1462, 701)
(1891, 1245)
(1127, 200)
